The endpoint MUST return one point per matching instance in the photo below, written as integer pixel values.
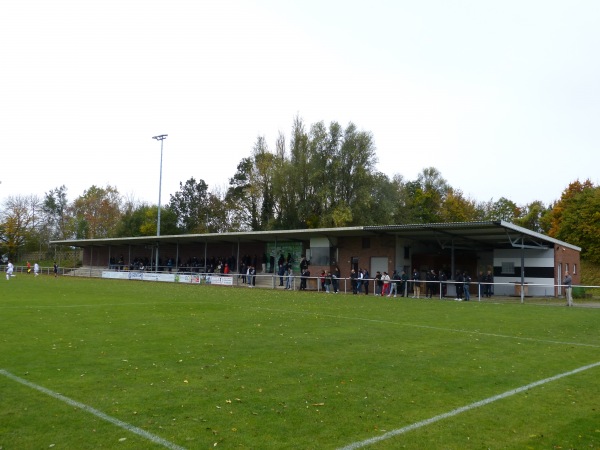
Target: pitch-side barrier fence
(423, 289)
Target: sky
(502, 97)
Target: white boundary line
(506, 336)
(143, 433)
(462, 409)
(452, 330)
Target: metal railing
(426, 289)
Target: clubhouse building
(517, 257)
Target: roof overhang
(475, 236)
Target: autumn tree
(575, 218)
(457, 208)
(97, 212)
(17, 223)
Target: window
(574, 269)
(508, 268)
(366, 242)
(320, 256)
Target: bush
(578, 292)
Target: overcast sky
(502, 97)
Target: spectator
(416, 278)
(567, 282)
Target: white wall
(538, 286)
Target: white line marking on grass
(463, 409)
(454, 330)
(143, 433)
(480, 333)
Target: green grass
(214, 367)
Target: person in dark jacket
(416, 279)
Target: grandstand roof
(466, 235)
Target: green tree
(423, 198)
(240, 196)
(191, 205)
(221, 219)
(376, 206)
(141, 220)
(354, 174)
(328, 178)
(532, 216)
(504, 209)
(251, 188)
(56, 214)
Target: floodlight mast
(160, 138)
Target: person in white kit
(9, 270)
(36, 269)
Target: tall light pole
(160, 138)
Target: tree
(191, 206)
(97, 212)
(17, 223)
(251, 188)
(457, 208)
(575, 218)
(328, 178)
(141, 220)
(378, 205)
(532, 216)
(57, 218)
(294, 186)
(353, 169)
(239, 196)
(221, 219)
(421, 200)
(504, 209)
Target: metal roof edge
(537, 235)
(316, 231)
(427, 225)
(75, 242)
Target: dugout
(515, 255)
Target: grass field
(89, 363)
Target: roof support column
(452, 270)
(205, 256)
(237, 261)
(522, 269)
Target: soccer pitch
(92, 363)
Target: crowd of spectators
(192, 265)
